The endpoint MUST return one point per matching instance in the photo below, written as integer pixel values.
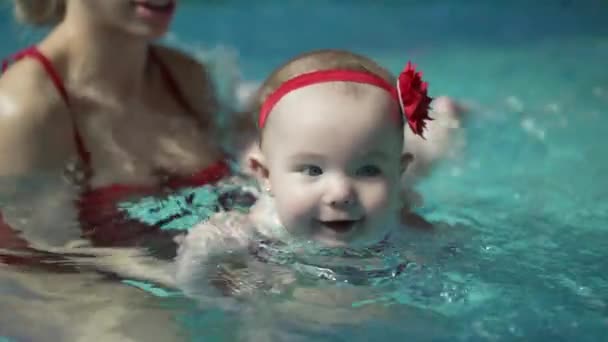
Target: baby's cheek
(292, 208)
(380, 197)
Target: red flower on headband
(413, 98)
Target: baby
(330, 163)
(443, 138)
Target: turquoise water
(522, 212)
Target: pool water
(522, 245)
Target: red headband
(410, 93)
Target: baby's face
(332, 157)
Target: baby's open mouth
(340, 226)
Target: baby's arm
(207, 254)
(223, 234)
(442, 138)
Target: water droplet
(515, 104)
(598, 91)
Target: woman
(97, 99)
(123, 118)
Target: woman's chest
(145, 144)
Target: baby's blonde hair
(316, 61)
(246, 122)
(39, 12)
(309, 62)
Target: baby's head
(331, 138)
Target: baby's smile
(340, 227)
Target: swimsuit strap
(34, 53)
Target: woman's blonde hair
(39, 12)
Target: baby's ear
(256, 163)
(406, 159)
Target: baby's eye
(311, 170)
(369, 171)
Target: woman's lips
(155, 9)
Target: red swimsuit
(99, 217)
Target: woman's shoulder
(191, 76)
(29, 120)
(27, 89)
(179, 57)
(185, 67)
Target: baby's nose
(340, 193)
